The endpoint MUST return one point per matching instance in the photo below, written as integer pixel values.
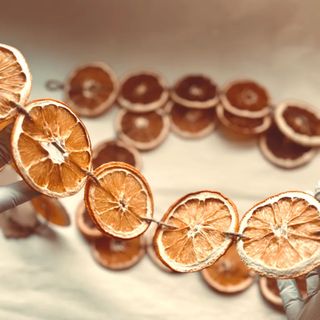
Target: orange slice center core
(56, 150)
(117, 245)
(141, 89)
(141, 122)
(196, 91)
(193, 116)
(249, 97)
(89, 88)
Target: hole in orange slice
(51, 148)
(118, 254)
(143, 92)
(228, 274)
(91, 89)
(198, 241)
(282, 240)
(121, 202)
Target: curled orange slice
(281, 235)
(51, 148)
(121, 202)
(198, 239)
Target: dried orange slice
(85, 223)
(52, 210)
(228, 274)
(51, 148)
(282, 151)
(201, 220)
(246, 98)
(143, 92)
(270, 292)
(116, 150)
(91, 89)
(299, 121)
(195, 91)
(192, 122)
(281, 239)
(118, 254)
(122, 201)
(145, 131)
(15, 82)
(242, 125)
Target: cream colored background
(276, 43)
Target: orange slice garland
(201, 220)
(51, 148)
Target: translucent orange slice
(91, 89)
(283, 152)
(281, 235)
(15, 82)
(52, 210)
(145, 131)
(122, 201)
(118, 254)
(51, 148)
(299, 121)
(85, 223)
(228, 274)
(270, 292)
(201, 220)
(192, 122)
(116, 150)
(195, 91)
(143, 92)
(246, 98)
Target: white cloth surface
(273, 42)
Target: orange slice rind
(51, 148)
(281, 239)
(122, 203)
(201, 220)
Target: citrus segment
(121, 202)
(195, 91)
(281, 239)
(198, 239)
(15, 82)
(246, 98)
(145, 131)
(228, 274)
(143, 92)
(52, 210)
(91, 89)
(51, 148)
